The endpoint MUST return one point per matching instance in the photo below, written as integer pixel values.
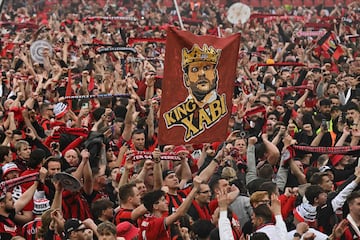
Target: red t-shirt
(153, 228)
(124, 215)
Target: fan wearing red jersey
(156, 226)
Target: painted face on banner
(201, 79)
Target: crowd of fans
(251, 186)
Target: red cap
(180, 149)
(336, 159)
(126, 230)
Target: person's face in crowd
(353, 82)
(53, 168)
(354, 207)
(325, 109)
(161, 205)
(352, 115)
(171, 181)
(280, 109)
(264, 100)
(307, 128)
(24, 152)
(341, 85)
(256, 221)
(108, 213)
(264, 200)
(49, 111)
(345, 160)
(101, 177)
(8, 203)
(141, 188)
(327, 184)
(5, 65)
(254, 75)
(273, 118)
(11, 175)
(224, 184)
(241, 145)
(203, 196)
(201, 78)
(135, 199)
(117, 126)
(139, 141)
(335, 102)
(285, 75)
(270, 126)
(72, 158)
(322, 198)
(149, 177)
(327, 76)
(106, 235)
(110, 156)
(78, 235)
(114, 173)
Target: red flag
(68, 90)
(330, 45)
(197, 87)
(91, 84)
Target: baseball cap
(166, 173)
(9, 167)
(60, 109)
(126, 230)
(325, 168)
(180, 149)
(73, 224)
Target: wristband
(157, 160)
(297, 235)
(216, 160)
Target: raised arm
(185, 204)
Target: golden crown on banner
(197, 54)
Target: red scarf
(202, 211)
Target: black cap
(73, 224)
(166, 173)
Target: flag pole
(179, 16)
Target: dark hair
(266, 171)
(313, 192)
(259, 236)
(138, 131)
(4, 151)
(202, 228)
(36, 157)
(354, 195)
(97, 113)
(99, 206)
(150, 198)
(310, 172)
(317, 178)
(352, 106)
(126, 191)
(51, 159)
(269, 187)
(264, 212)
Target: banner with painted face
(197, 87)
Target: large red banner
(197, 87)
